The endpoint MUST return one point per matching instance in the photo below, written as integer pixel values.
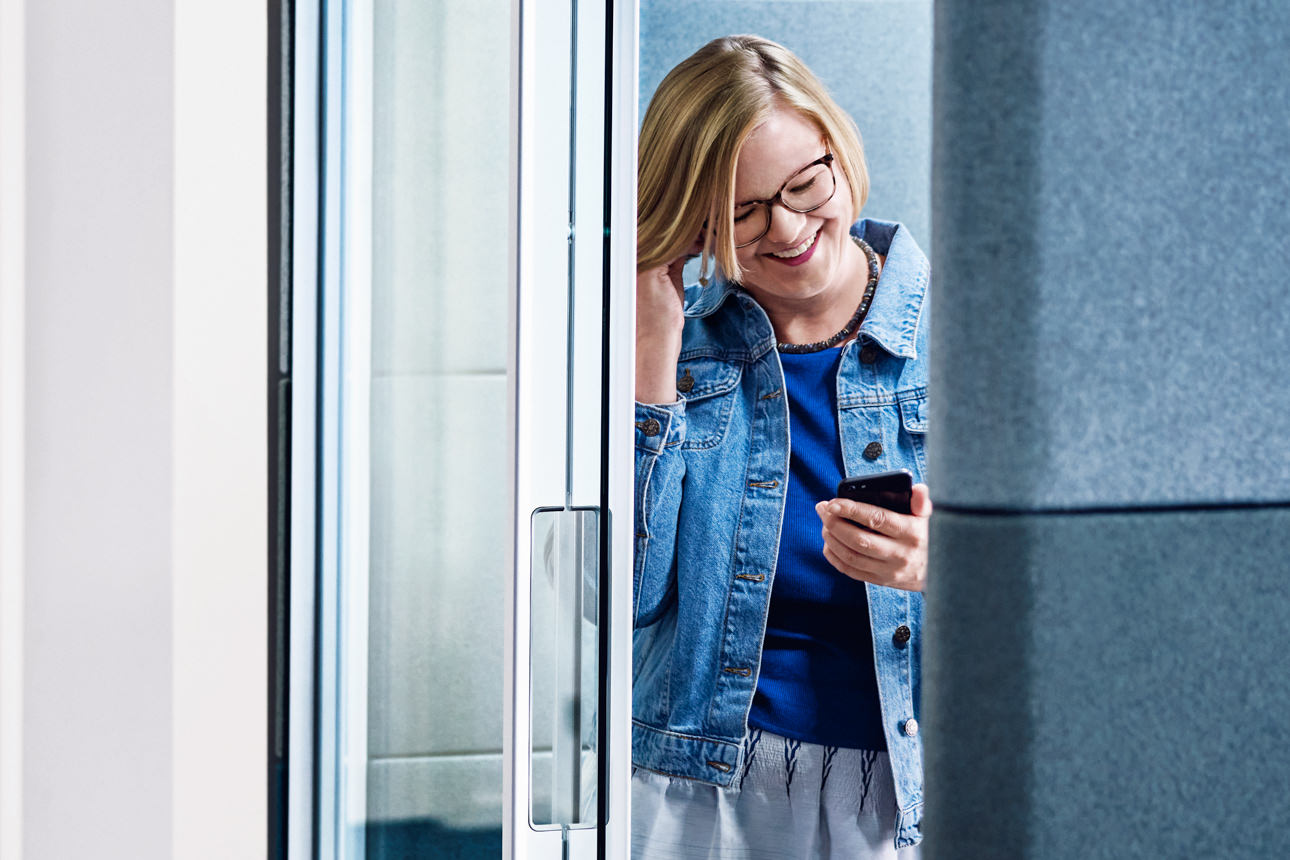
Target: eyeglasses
(807, 189)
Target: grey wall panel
(1110, 183)
(440, 144)
(875, 57)
(1109, 686)
(441, 130)
(438, 568)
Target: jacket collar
(897, 309)
(893, 318)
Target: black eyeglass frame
(769, 203)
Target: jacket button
(649, 426)
(872, 451)
(901, 636)
(869, 353)
(911, 727)
(686, 383)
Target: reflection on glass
(564, 642)
(440, 202)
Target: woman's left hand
(873, 544)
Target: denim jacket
(711, 476)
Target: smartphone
(891, 490)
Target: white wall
(219, 514)
(140, 451)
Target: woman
(772, 724)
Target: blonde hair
(694, 129)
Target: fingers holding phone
(876, 530)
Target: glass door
(463, 585)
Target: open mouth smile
(799, 255)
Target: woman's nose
(785, 224)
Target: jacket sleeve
(660, 473)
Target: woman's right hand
(660, 317)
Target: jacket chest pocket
(879, 437)
(708, 386)
(913, 431)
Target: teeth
(798, 251)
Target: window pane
(440, 203)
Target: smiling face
(805, 258)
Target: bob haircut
(694, 129)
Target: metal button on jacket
(911, 727)
(901, 636)
(686, 383)
(869, 353)
(649, 426)
(873, 451)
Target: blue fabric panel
(1110, 185)
(875, 58)
(1108, 685)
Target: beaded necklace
(856, 318)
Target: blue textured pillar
(1109, 608)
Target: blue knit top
(817, 680)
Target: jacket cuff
(659, 426)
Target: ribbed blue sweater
(817, 681)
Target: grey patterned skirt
(792, 800)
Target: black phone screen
(890, 490)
